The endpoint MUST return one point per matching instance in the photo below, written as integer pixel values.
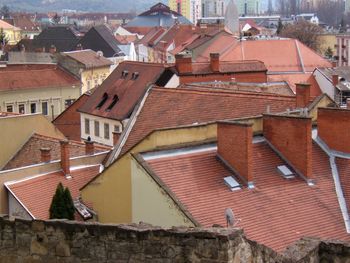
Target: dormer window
(114, 101)
(125, 73)
(103, 100)
(135, 75)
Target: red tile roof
(30, 153)
(22, 77)
(89, 58)
(128, 90)
(166, 108)
(292, 79)
(124, 40)
(282, 55)
(276, 213)
(36, 193)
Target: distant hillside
(80, 5)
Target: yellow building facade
(12, 33)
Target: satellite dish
(230, 218)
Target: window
(97, 128)
(44, 108)
(21, 108)
(88, 85)
(9, 108)
(87, 126)
(114, 101)
(103, 100)
(68, 102)
(106, 131)
(32, 107)
(116, 128)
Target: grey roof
(159, 19)
(30, 58)
(342, 72)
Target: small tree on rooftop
(62, 206)
(3, 38)
(329, 52)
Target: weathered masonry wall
(66, 241)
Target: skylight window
(114, 101)
(103, 100)
(232, 183)
(285, 172)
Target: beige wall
(150, 203)
(13, 36)
(53, 96)
(111, 193)
(16, 130)
(328, 40)
(93, 77)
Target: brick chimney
(45, 155)
(89, 147)
(303, 91)
(235, 146)
(65, 162)
(333, 125)
(335, 79)
(334, 64)
(183, 63)
(116, 136)
(215, 62)
(290, 136)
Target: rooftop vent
(285, 172)
(232, 183)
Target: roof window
(125, 73)
(135, 75)
(114, 101)
(103, 100)
(285, 172)
(232, 183)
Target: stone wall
(66, 241)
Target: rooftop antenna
(230, 218)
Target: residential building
(213, 8)
(342, 50)
(191, 9)
(158, 15)
(254, 176)
(27, 88)
(12, 33)
(335, 82)
(17, 128)
(248, 7)
(159, 110)
(91, 67)
(29, 29)
(107, 111)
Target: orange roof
(165, 108)
(124, 40)
(276, 213)
(36, 193)
(37, 141)
(4, 25)
(293, 79)
(279, 55)
(21, 77)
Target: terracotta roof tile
(21, 77)
(128, 90)
(276, 213)
(292, 79)
(36, 193)
(165, 108)
(30, 153)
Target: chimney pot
(116, 136)
(183, 63)
(45, 154)
(335, 79)
(89, 147)
(235, 144)
(215, 62)
(65, 162)
(303, 92)
(334, 63)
